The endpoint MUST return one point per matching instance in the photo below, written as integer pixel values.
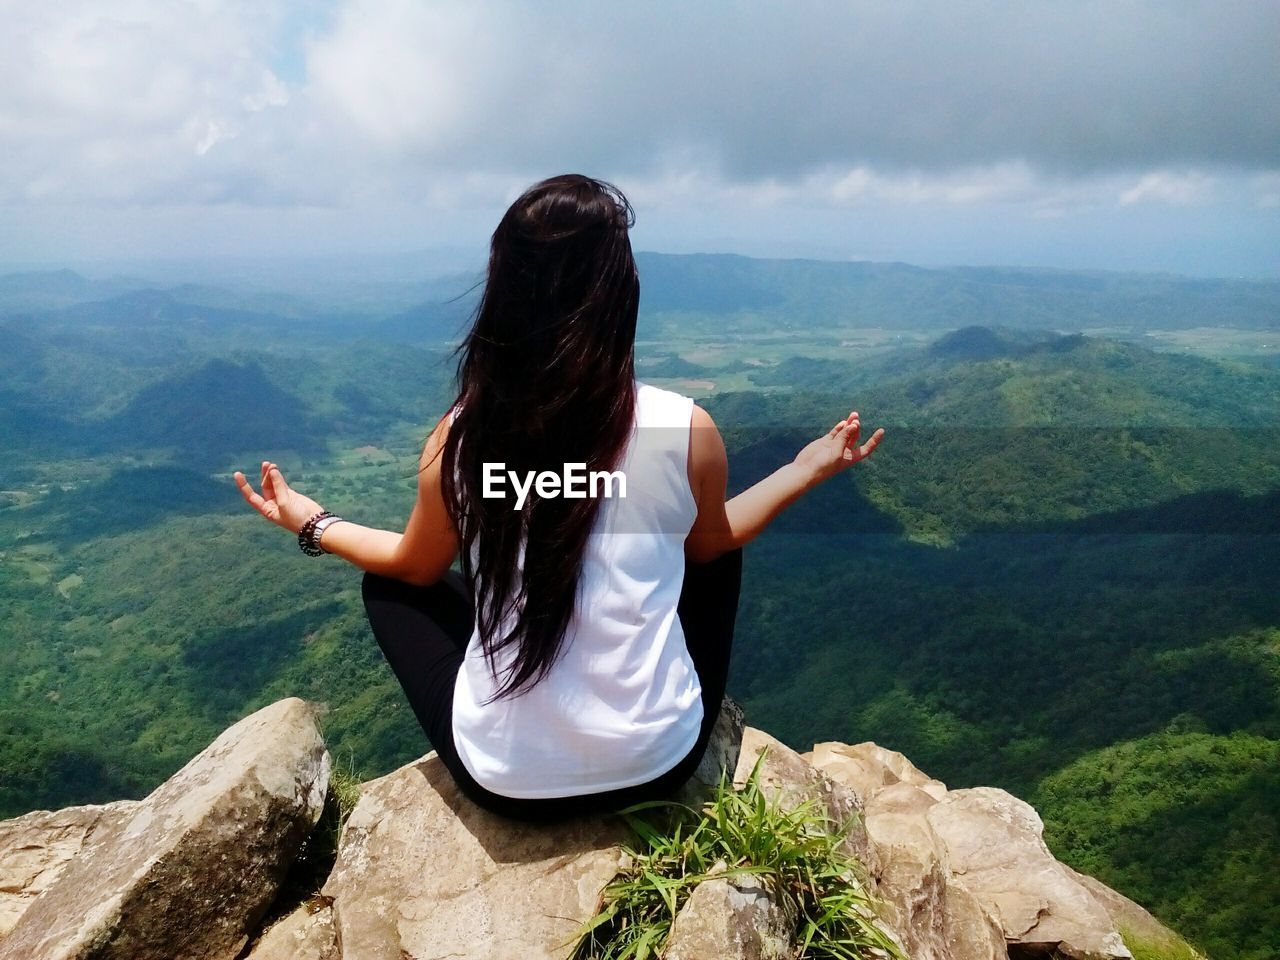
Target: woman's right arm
(420, 555)
(722, 526)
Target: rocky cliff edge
(200, 867)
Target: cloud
(765, 89)
(995, 183)
(1054, 109)
(1266, 188)
(1177, 189)
(134, 101)
(1010, 184)
(271, 93)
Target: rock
(35, 847)
(732, 918)
(305, 934)
(913, 872)
(1133, 921)
(971, 932)
(867, 768)
(423, 872)
(996, 852)
(191, 869)
(937, 921)
(721, 756)
(519, 889)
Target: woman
(578, 661)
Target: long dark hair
(546, 377)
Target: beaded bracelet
(306, 536)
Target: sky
(1114, 134)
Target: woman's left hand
(838, 450)
(278, 502)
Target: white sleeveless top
(623, 704)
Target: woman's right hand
(838, 450)
(278, 502)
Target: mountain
(145, 308)
(683, 295)
(1001, 377)
(1055, 577)
(65, 303)
(432, 322)
(208, 415)
(40, 290)
(979, 342)
(788, 294)
(202, 314)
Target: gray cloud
(419, 121)
(760, 90)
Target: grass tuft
(797, 853)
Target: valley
(1057, 575)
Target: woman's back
(612, 648)
(622, 702)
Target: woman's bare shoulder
(707, 454)
(434, 444)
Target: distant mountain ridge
(902, 296)
(698, 289)
(699, 292)
(53, 289)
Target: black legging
(423, 632)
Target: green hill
(1185, 822)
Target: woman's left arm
(420, 555)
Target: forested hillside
(1058, 574)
